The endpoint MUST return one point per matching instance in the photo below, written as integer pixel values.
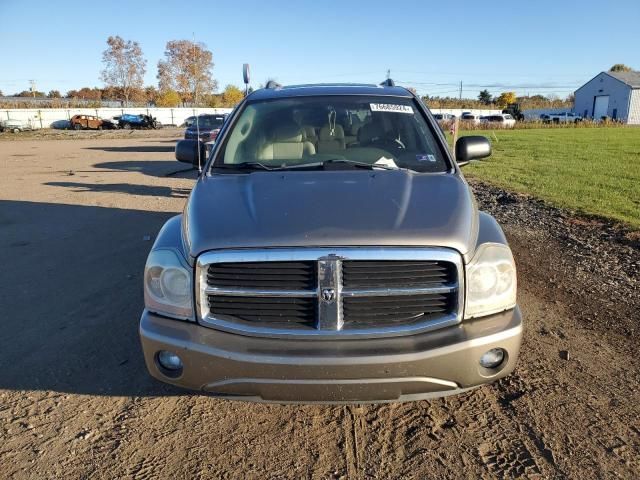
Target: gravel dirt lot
(78, 214)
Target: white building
(615, 95)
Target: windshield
(208, 121)
(315, 132)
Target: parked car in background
(128, 121)
(109, 124)
(15, 126)
(470, 117)
(564, 117)
(206, 127)
(85, 122)
(188, 121)
(60, 124)
(503, 120)
(444, 116)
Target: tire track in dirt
(351, 446)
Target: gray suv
(331, 251)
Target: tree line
(486, 100)
(185, 78)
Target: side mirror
(187, 152)
(472, 148)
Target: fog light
(169, 361)
(492, 358)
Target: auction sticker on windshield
(391, 107)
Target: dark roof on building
(329, 89)
(631, 78)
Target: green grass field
(591, 170)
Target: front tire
(127, 126)
(77, 126)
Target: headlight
(167, 285)
(491, 281)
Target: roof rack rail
(388, 83)
(272, 84)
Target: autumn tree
(187, 69)
(485, 97)
(505, 99)
(86, 93)
(168, 98)
(151, 94)
(124, 66)
(620, 67)
(213, 100)
(30, 93)
(231, 96)
(54, 94)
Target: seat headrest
(287, 133)
(356, 123)
(309, 132)
(326, 136)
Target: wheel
(127, 126)
(99, 127)
(77, 126)
(16, 130)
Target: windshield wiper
(332, 161)
(337, 161)
(246, 166)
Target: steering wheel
(389, 144)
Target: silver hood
(330, 208)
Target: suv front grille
(395, 309)
(389, 273)
(284, 275)
(274, 311)
(330, 291)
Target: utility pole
(460, 89)
(33, 87)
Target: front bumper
(432, 364)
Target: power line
(496, 85)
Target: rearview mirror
(187, 151)
(472, 148)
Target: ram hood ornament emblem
(328, 295)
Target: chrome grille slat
(254, 292)
(280, 275)
(387, 292)
(387, 273)
(342, 291)
(264, 309)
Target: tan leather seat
(310, 134)
(331, 141)
(351, 130)
(286, 143)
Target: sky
(546, 47)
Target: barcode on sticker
(391, 107)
